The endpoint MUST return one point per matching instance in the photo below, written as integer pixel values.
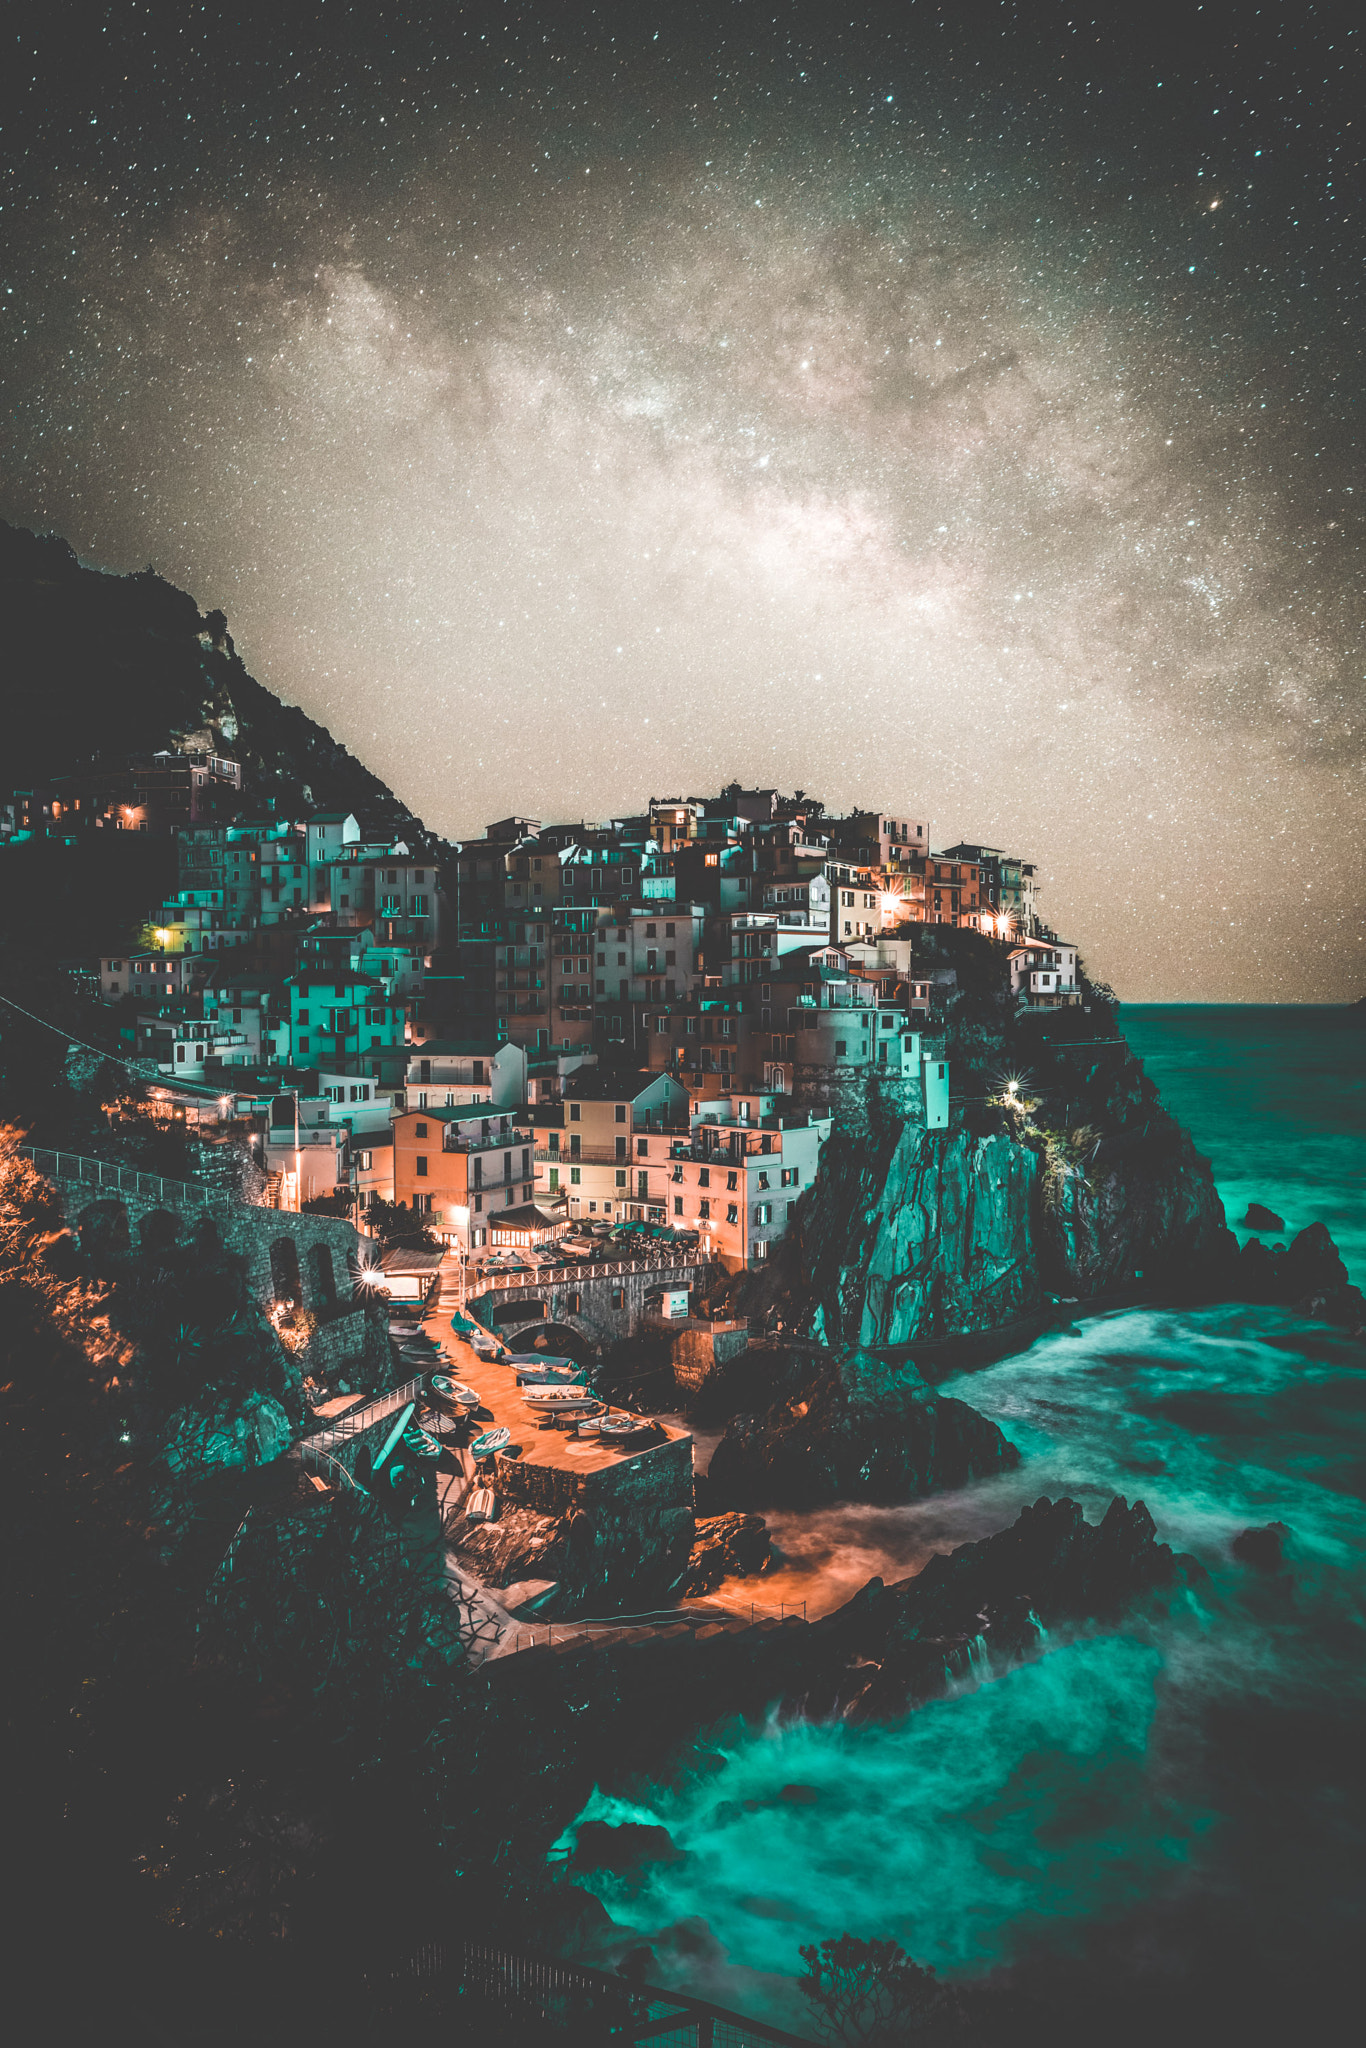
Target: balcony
(587, 1155)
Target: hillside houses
(639, 1022)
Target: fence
(481, 1281)
(336, 1430)
(122, 1180)
(223, 1571)
(557, 1993)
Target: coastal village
(557, 1030)
(534, 1097)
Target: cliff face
(912, 1235)
(945, 1244)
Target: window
(704, 1209)
(575, 1176)
(575, 1113)
(365, 1160)
(621, 1177)
(478, 1204)
(420, 1166)
(642, 1148)
(732, 1212)
(704, 1177)
(678, 1205)
(419, 1130)
(732, 1181)
(841, 1047)
(763, 1212)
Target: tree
(869, 1994)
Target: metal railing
(223, 1571)
(338, 1429)
(123, 1180)
(545, 1988)
(323, 1465)
(590, 1269)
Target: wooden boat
(550, 1375)
(453, 1393)
(492, 1440)
(552, 1400)
(617, 1428)
(418, 1442)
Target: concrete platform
(496, 1386)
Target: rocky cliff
(1072, 1182)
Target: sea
(1173, 1810)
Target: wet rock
(858, 1428)
(726, 1546)
(988, 1603)
(1264, 1548)
(1260, 1218)
(627, 1847)
(1308, 1275)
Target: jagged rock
(256, 1433)
(601, 1846)
(1263, 1549)
(993, 1598)
(1260, 1218)
(725, 1545)
(1310, 1274)
(857, 1428)
(521, 1544)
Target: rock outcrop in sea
(856, 1427)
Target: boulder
(629, 1846)
(1260, 1218)
(1264, 1548)
(857, 1428)
(726, 1546)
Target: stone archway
(564, 1340)
(104, 1229)
(159, 1231)
(284, 1271)
(322, 1279)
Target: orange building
(458, 1171)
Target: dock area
(558, 1450)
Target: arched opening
(321, 1277)
(104, 1230)
(284, 1271)
(158, 1232)
(560, 1340)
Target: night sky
(948, 409)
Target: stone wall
(279, 1247)
(597, 1318)
(697, 1349)
(628, 1527)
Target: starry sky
(946, 409)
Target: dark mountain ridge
(99, 666)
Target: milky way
(568, 412)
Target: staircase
(270, 1194)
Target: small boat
(492, 1440)
(454, 1391)
(549, 1375)
(482, 1505)
(419, 1443)
(618, 1427)
(590, 1426)
(550, 1399)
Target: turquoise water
(1187, 1787)
(1275, 1096)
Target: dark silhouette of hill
(103, 665)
